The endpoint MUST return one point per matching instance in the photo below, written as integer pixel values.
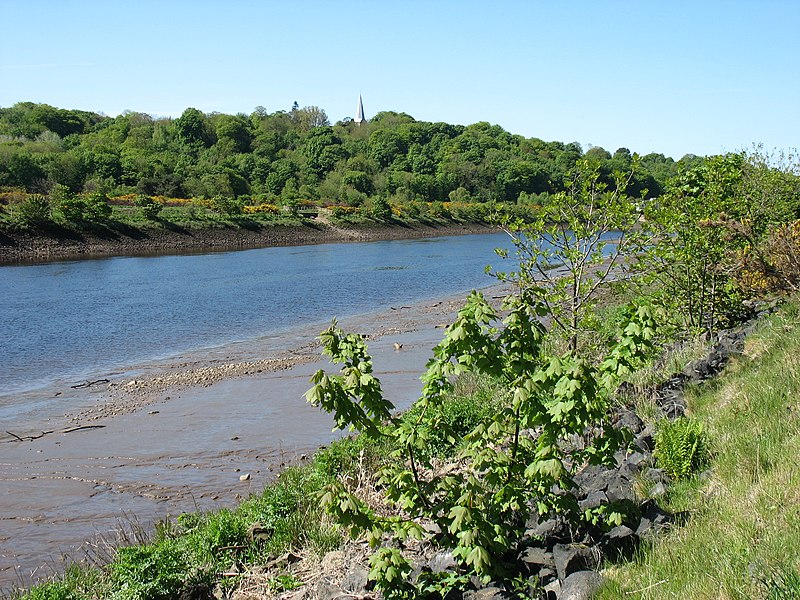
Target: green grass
(742, 537)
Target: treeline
(296, 155)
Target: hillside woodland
(285, 159)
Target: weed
(153, 572)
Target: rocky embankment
(118, 240)
(565, 562)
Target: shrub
(339, 212)
(226, 205)
(35, 210)
(345, 455)
(149, 205)
(269, 209)
(479, 509)
(76, 209)
(219, 529)
(53, 591)
(379, 209)
(681, 447)
(446, 428)
(97, 207)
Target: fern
(681, 448)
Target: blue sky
(675, 77)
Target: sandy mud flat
(179, 436)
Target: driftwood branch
(28, 438)
(86, 384)
(82, 427)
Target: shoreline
(26, 248)
(177, 436)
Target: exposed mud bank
(122, 240)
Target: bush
(97, 207)
(478, 508)
(681, 447)
(379, 209)
(226, 205)
(149, 205)
(76, 209)
(345, 455)
(53, 591)
(35, 210)
(457, 416)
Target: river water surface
(66, 322)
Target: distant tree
(598, 154)
(384, 146)
(323, 149)
(191, 129)
(309, 117)
(234, 130)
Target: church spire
(360, 112)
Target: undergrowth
(742, 537)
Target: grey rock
(356, 581)
(594, 478)
(442, 561)
(580, 586)
(545, 574)
(621, 540)
(658, 490)
(628, 471)
(491, 593)
(325, 590)
(630, 420)
(546, 528)
(656, 475)
(653, 520)
(552, 590)
(570, 559)
(638, 459)
(620, 489)
(593, 500)
(538, 557)
(645, 440)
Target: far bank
(126, 240)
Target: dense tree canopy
(294, 155)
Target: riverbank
(67, 244)
(180, 437)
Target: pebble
(244, 477)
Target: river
(65, 322)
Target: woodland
(295, 157)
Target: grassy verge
(742, 536)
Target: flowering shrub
(342, 211)
(265, 208)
